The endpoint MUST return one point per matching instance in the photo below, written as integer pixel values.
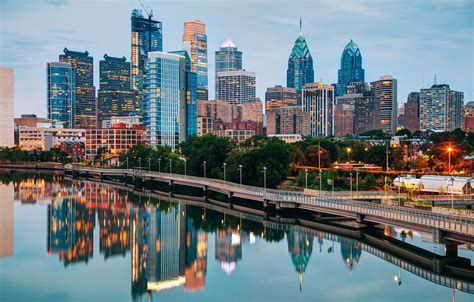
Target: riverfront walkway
(447, 229)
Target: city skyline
(444, 44)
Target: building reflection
(6, 220)
(228, 248)
(300, 247)
(32, 190)
(351, 253)
(114, 232)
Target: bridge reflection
(167, 239)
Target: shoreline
(33, 166)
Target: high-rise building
(115, 98)
(236, 87)
(147, 36)
(164, 112)
(351, 68)
(468, 124)
(441, 108)
(61, 93)
(385, 89)
(85, 101)
(288, 120)
(300, 64)
(318, 100)
(6, 107)
(195, 43)
(344, 114)
(228, 58)
(278, 96)
(411, 116)
(366, 113)
(356, 87)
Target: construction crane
(148, 11)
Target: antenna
(423, 80)
(435, 79)
(301, 23)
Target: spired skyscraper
(85, 103)
(195, 43)
(300, 64)
(228, 58)
(147, 36)
(61, 95)
(351, 68)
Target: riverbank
(33, 166)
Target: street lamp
(185, 160)
(306, 178)
(224, 165)
(351, 183)
(171, 165)
(204, 164)
(399, 189)
(264, 178)
(450, 149)
(139, 163)
(127, 162)
(349, 150)
(240, 172)
(452, 192)
(149, 164)
(357, 182)
(159, 165)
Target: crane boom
(149, 12)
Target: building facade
(344, 114)
(351, 68)
(165, 100)
(318, 100)
(195, 43)
(288, 121)
(468, 123)
(6, 107)
(366, 113)
(278, 96)
(300, 64)
(45, 138)
(236, 87)
(228, 58)
(115, 98)
(61, 94)
(84, 92)
(385, 89)
(147, 36)
(441, 108)
(411, 115)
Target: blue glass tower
(351, 68)
(300, 64)
(228, 58)
(61, 94)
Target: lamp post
(348, 150)
(357, 182)
(399, 189)
(185, 160)
(450, 149)
(452, 192)
(139, 163)
(127, 162)
(240, 173)
(159, 165)
(386, 157)
(224, 165)
(149, 164)
(350, 174)
(204, 165)
(171, 165)
(306, 179)
(264, 178)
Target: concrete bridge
(450, 230)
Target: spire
(301, 282)
(435, 80)
(301, 26)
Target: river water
(64, 240)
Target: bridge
(450, 230)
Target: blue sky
(412, 40)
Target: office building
(165, 101)
(300, 64)
(228, 58)
(147, 36)
(195, 43)
(344, 114)
(288, 120)
(61, 94)
(468, 123)
(385, 89)
(85, 101)
(236, 87)
(278, 96)
(318, 100)
(30, 120)
(115, 98)
(366, 113)
(6, 107)
(351, 68)
(411, 114)
(441, 109)
(44, 137)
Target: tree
(312, 157)
(404, 132)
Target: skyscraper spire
(301, 25)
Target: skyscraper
(195, 43)
(6, 107)
(147, 36)
(115, 98)
(411, 120)
(228, 58)
(300, 64)
(278, 96)
(164, 112)
(236, 87)
(351, 68)
(318, 100)
(61, 93)
(85, 102)
(385, 89)
(441, 108)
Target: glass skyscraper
(195, 43)
(300, 64)
(351, 68)
(228, 58)
(385, 90)
(236, 87)
(61, 95)
(115, 96)
(147, 36)
(318, 100)
(164, 112)
(85, 103)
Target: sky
(411, 40)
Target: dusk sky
(411, 40)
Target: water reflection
(167, 242)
